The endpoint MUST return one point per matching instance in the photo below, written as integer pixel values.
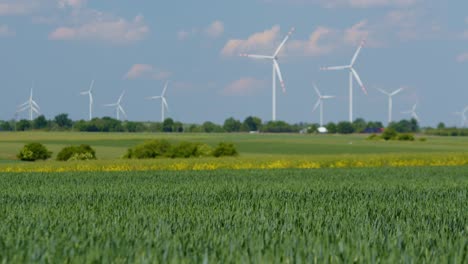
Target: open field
(365, 215)
(257, 151)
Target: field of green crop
(386, 215)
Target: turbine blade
(110, 104)
(165, 88)
(23, 104)
(284, 42)
(91, 86)
(328, 97)
(383, 91)
(358, 79)
(84, 93)
(257, 56)
(317, 90)
(357, 52)
(397, 92)
(122, 110)
(121, 96)
(35, 104)
(280, 76)
(153, 97)
(35, 110)
(22, 109)
(165, 103)
(316, 105)
(334, 68)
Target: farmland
(286, 198)
(325, 215)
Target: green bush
(204, 150)
(34, 151)
(149, 150)
(184, 150)
(389, 134)
(225, 149)
(405, 137)
(423, 139)
(81, 152)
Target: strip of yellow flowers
(245, 163)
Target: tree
(331, 127)
(5, 126)
(232, 125)
(63, 121)
(168, 125)
(345, 127)
(359, 125)
(389, 133)
(210, 127)
(178, 127)
(23, 125)
(252, 123)
(40, 122)
(277, 127)
(441, 125)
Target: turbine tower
(352, 74)
(413, 112)
(390, 101)
(30, 105)
(163, 101)
(276, 70)
(118, 108)
(90, 94)
(320, 103)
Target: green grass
(411, 215)
(114, 145)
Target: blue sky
(136, 46)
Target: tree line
(62, 122)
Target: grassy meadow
(257, 151)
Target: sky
(59, 46)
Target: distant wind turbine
(352, 73)
(463, 115)
(390, 101)
(320, 103)
(30, 105)
(164, 104)
(276, 70)
(90, 94)
(413, 112)
(118, 107)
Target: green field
(111, 146)
(386, 215)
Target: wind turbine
(90, 93)
(390, 101)
(30, 105)
(320, 103)
(118, 108)
(276, 70)
(412, 112)
(163, 101)
(352, 74)
(464, 118)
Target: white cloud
(261, 41)
(243, 87)
(146, 71)
(5, 31)
(462, 57)
(97, 26)
(71, 3)
(351, 3)
(17, 7)
(216, 29)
